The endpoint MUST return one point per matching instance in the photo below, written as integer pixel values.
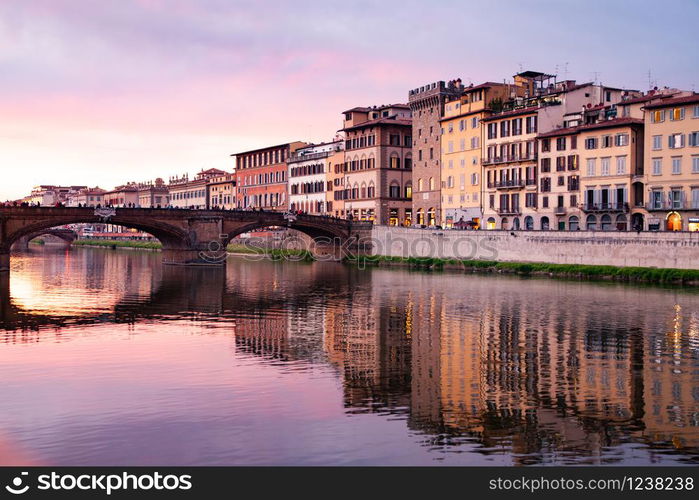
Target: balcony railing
(606, 207)
(531, 182)
(560, 210)
(671, 205)
(508, 184)
(494, 160)
(509, 211)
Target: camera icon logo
(16, 488)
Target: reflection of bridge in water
(457, 370)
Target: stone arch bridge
(189, 237)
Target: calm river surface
(109, 358)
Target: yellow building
(461, 152)
(672, 163)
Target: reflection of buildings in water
(672, 382)
(366, 336)
(525, 370)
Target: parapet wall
(647, 249)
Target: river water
(109, 358)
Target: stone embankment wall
(647, 249)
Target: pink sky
(101, 93)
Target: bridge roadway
(189, 237)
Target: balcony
(494, 160)
(606, 207)
(560, 210)
(508, 184)
(509, 211)
(531, 182)
(669, 205)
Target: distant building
(153, 194)
(308, 176)
(87, 197)
(222, 191)
(186, 193)
(378, 164)
(49, 195)
(122, 196)
(261, 176)
(335, 194)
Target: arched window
(606, 223)
(591, 222)
(491, 223)
(419, 185)
(394, 161)
(573, 223)
(409, 191)
(420, 216)
(544, 223)
(505, 223)
(621, 223)
(431, 183)
(394, 190)
(431, 215)
(371, 190)
(515, 223)
(408, 162)
(363, 191)
(528, 223)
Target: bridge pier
(4, 262)
(188, 257)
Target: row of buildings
(535, 153)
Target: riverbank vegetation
(578, 271)
(149, 245)
(274, 253)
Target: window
(505, 128)
(606, 141)
(561, 144)
(676, 166)
(474, 179)
(431, 183)
(517, 126)
(532, 124)
(695, 164)
(573, 142)
(605, 166)
(658, 116)
(591, 167)
(620, 165)
(560, 163)
(657, 166)
(474, 122)
(546, 164)
(492, 131)
(656, 199)
(696, 111)
(461, 125)
(693, 138)
(545, 145)
(676, 196)
(675, 141)
(677, 114)
(621, 140)
(591, 143)
(657, 142)
(695, 198)
(475, 142)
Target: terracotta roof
(616, 122)
(261, 149)
(362, 109)
(689, 99)
(645, 98)
(484, 85)
(514, 112)
(380, 121)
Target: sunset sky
(104, 92)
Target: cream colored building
(461, 144)
(222, 192)
(378, 164)
(672, 163)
